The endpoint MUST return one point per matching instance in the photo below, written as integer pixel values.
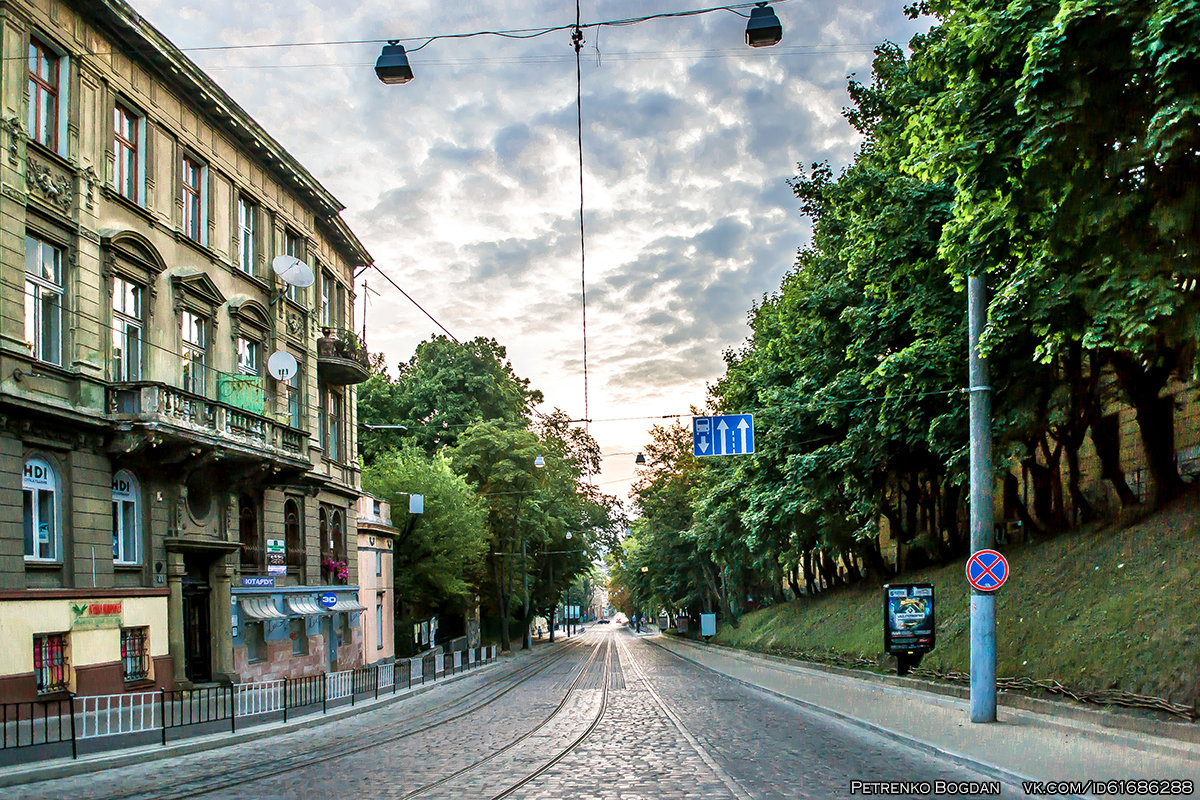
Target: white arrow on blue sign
(729, 435)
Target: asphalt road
(604, 715)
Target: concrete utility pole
(983, 604)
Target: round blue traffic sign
(328, 599)
(987, 570)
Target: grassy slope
(1070, 611)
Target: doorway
(197, 652)
(331, 642)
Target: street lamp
(763, 29)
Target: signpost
(987, 570)
(730, 435)
(909, 626)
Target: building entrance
(197, 642)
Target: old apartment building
(169, 512)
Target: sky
(464, 183)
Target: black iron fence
(32, 731)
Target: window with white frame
(327, 294)
(293, 245)
(47, 94)
(126, 517)
(334, 415)
(295, 400)
(194, 337)
(43, 299)
(39, 485)
(194, 195)
(247, 235)
(247, 356)
(126, 330)
(127, 155)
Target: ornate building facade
(170, 512)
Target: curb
(1114, 720)
(983, 767)
(15, 775)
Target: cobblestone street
(603, 715)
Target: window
(43, 300)
(293, 535)
(379, 621)
(44, 85)
(195, 224)
(327, 290)
(378, 563)
(252, 549)
(294, 398)
(247, 356)
(127, 524)
(256, 642)
(293, 245)
(299, 637)
(247, 251)
(333, 408)
(126, 157)
(126, 331)
(195, 343)
(337, 537)
(39, 484)
(50, 663)
(135, 653)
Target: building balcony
(342, 358)
(164, 420)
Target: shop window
(299, 636)
(256, 642)
(135, 653)
(126, 515)
(51, 665)
(43, 538)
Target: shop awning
(345, 604)
(306, 607)
(259, 608)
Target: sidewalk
(1022, 744)
(16, 774)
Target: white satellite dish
(293, 271)
(282, 365)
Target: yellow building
(376, 589)
(172, 512)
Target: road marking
(730, 782)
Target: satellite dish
(293, 271)
(282, 365)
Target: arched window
(127, 520)
(293, 536)
(43, 530)
(338, 535)
(252, 560)
(323, 528)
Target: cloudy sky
(464, 183)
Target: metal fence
(46, 729)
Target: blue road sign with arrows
(730, 435)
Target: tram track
(523, 737)
(355, 742)
(564, 752)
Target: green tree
(439, 554)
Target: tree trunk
(793, 578)
(1156, 420)
(501, 605)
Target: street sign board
(729, 435)
(908, 619)
(328, 599)
(987, 570)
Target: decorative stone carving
(16, 135)
(88, 174)
(51, 183)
